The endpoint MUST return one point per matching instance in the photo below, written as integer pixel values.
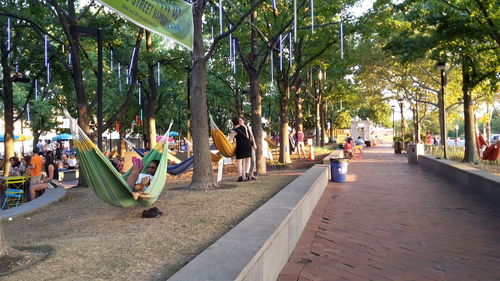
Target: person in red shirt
(428, 139)
(348, 146)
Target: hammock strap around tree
(106, 182)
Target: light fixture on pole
(95, 32)
(442, 120)
(393, 129)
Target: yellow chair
(18, 182)
(357, 152)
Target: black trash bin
(398, 147)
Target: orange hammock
(492, 152)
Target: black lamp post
(442, 120)
(400, 102)
(393, 128)
(95, 32)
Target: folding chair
(18, 182)
(357, 152)
(12, 198)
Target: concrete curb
(259, 247)
(49, 196)
(485, 184)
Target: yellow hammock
(225, 148)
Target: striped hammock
(106, 182)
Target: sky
(363, 6)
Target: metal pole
(393, 127)
(442, 119)
(99, 89)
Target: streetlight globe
(441, 65)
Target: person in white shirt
(360, 141)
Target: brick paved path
(394, 221)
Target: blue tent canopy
(63, 137)
(2, 137)
(173, 134)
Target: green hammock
(106, 182)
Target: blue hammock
(181, 168)
(173, 170)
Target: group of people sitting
(34, 168)
(350, 146)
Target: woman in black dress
(244, 144)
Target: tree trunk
(470, 136)
(284, 141)
(8, 106)
(256, 99)
(256, 103)
(153, 95)
(202, 166)
(299, 117)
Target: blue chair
(12, 198)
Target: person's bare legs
(132, 178)
(37, 187)
(134, 174)
(246, 166)
(239, 168)
(301, 150)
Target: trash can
(398, 146)
(338, 168)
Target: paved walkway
(394, 221)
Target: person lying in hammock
(139, 181)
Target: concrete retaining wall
(478, 181)
(259, 247)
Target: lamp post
(393, 128)
(442, 120)
(456, 134)
(95, 32)
(400, 102)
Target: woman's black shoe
(240, 179)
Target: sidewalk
(394, 221)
